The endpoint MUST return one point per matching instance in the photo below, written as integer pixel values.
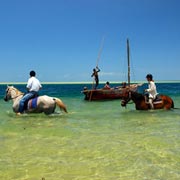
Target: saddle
(157, 100)
(31, 103)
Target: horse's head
(11, 93)
(8, 95)
(126, 97)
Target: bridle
(126, 99)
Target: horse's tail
(172, 105)
(60, 104)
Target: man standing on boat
(95, 75)
(151, 90)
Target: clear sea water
(94, 141)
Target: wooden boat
(110, 93)
(107, 94)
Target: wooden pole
(90, 97)
(100, 51)
(128, 58)
(98, 58)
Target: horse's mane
(137, 95)
(17, 90)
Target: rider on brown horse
(151, 90)
(154, 101)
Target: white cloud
(112, 74)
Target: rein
(130, 102)
(16, 96)
(129, 98)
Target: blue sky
(60, 39)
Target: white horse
(44, 103)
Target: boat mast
(100, 51)
(128, 58)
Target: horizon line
(88, 82)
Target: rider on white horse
(33, 86)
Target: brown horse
(162, 102)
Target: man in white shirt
(151, 90)
(33, 86)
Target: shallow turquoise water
(95, 140)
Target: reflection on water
(96, 140)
